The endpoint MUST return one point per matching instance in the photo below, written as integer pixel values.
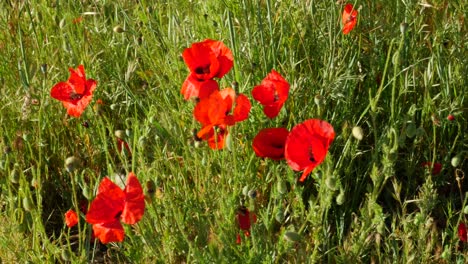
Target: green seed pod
(120, 134)
(87, 193)
(403, 27)
(28, 204)
(358, 133)
(292, 236)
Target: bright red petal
(71, 218)
(242, 109)
(349, 18)
(462, 232)
(269, 143)
(134, 206)
(108, 204)
(78, 79)
(307, 145)
(109, 232)
(202, 61)
(192, 87)
(62, 91)
(223, 54)
(216, 140)
(211, 110)
(264, 94)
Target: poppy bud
(44, 68)
(87, 193)
(252, 194)
(118, 29)
(318, 100)
(331, 183)
(120, 134)
(281, 187)
(279, 216)
(72, 163)
(403, 27)
(292, 236)
(28, 204)
(14, 176)
(62, 23)
(129, 132)
(411, 130)
(245, 190)
(113, 106)
(357, 133)
(340, 199)
(465, 210)
(451, 117)
(455, 161)
(66, 255)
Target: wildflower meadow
(235, 131)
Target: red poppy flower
(215, 112)
(121, 144)
(450, 117)
(435, 169)
(269, 143)
(462, 233)
(271, 93)
(192, 87)
(349, 18)
(113, 204)
(76, 93)
(245, 219)
(71, 218)
(208, 59)
(307, 145)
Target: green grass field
(400, 75)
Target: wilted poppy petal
(134, 206)
(269, 143)
(349, 18)
(307, 145)
(462, 232)
(71, 218)
(216, 140)
(245, 219)
(108, 204)
(436, 168)
(109, 232)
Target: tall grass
(397, 75)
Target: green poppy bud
(340, 199)
(118, 29)
(28, 204)
(358, 133)
(281, 187)
(14, 176)
(72, 163)
(455, 161)
(279, 216)
(292, 236)
(120, 134)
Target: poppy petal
(107, 205)
(269, 143)
(462, 232)
(307, 145)
(78, 79)
(134, 206)
(109, 232)
(242, 109)
(195, 88)
(71, 218)
(349, 18)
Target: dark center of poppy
(117, 216)
(203, 69)
(75, 96)
(311, 155)
(277, 145)
(276, 97)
